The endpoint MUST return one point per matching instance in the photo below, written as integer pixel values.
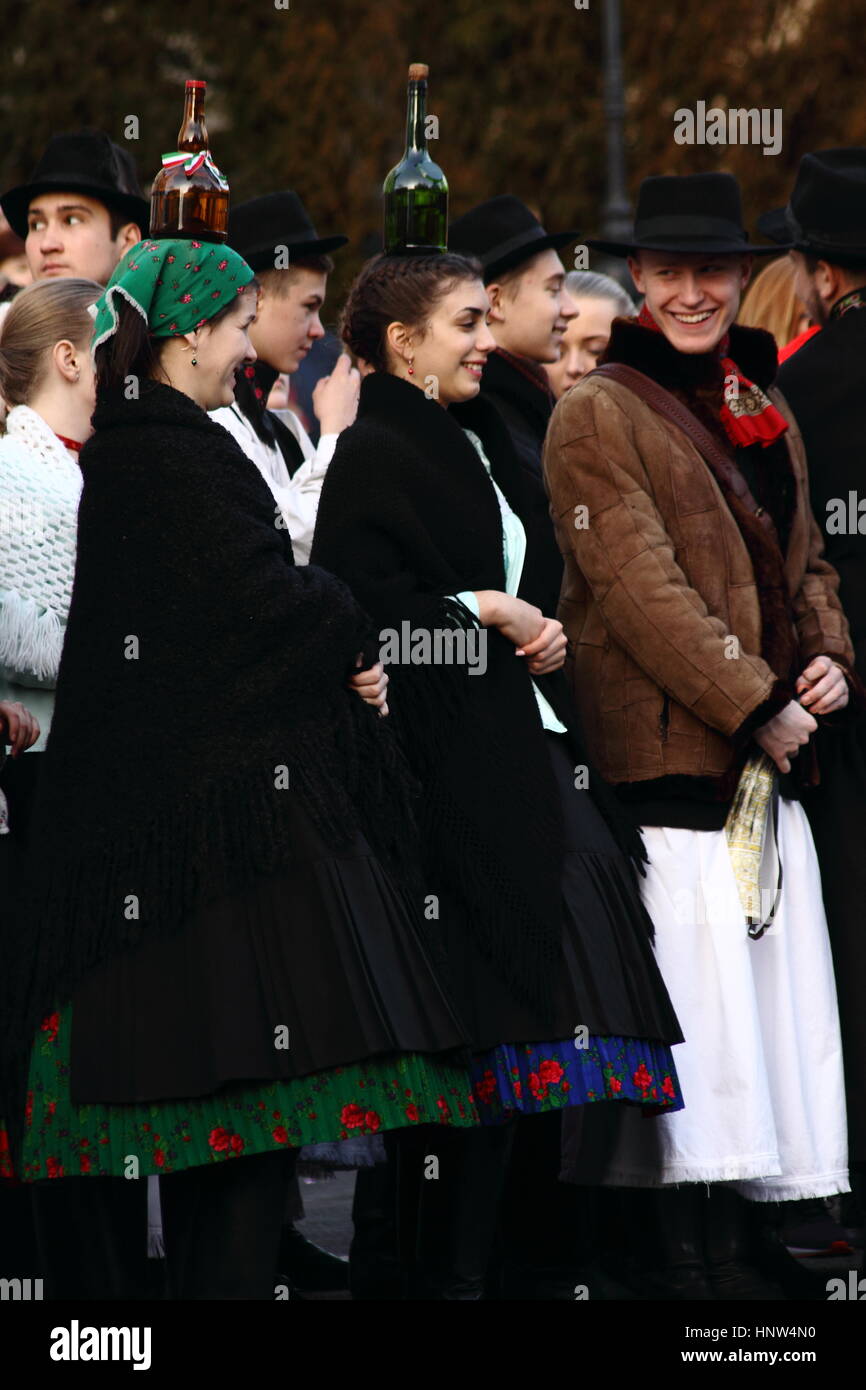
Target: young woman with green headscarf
(226, 957)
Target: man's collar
(753, 350)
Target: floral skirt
(149, 1138)
(531, 1078)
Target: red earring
(411, 366)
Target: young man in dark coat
(81, 208)
(825, 385)
(529, 313)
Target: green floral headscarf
(175, 285)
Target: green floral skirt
(142, 1139)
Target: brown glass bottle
(190, 197)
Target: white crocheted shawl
(40, 486)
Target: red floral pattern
(97, 1140)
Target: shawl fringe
(30, 641)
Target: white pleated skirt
(761, 1065)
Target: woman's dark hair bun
(398, 289)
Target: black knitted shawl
(408, 517)
(202, 672)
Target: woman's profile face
(585, 339)
(450, 352)
(222, 350)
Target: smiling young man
(706, 630)
(81, 208)
(275, 236)
(529, 313)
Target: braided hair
(398, 289)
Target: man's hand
(785, 734)
(17, 726)
(372, 686)
(335, 397)
(822, 687)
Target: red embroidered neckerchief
(72, 444)
(748, 416)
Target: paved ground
(328, 1205)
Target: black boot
(549, 1244)
(92, 1238)
(306, 1267)
(375, 1267)
(457, 1211)
(675, 1244)
(730, 1252)
(772, 1257)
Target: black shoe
(739, 1282)
(307, 1268)
(756, 1241)
(683, 1283)
(797, 1283)
(729, 1250)
(590, 1281)
(808, 1228)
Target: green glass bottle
(416, 190)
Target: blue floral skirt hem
(530, 1078)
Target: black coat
(198, 659)
(526, 409)
(825, 385)
(408, 518)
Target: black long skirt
(331, 952)
(608, 980)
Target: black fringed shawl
(408, 517)
(201, 671)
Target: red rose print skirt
(63, 1139)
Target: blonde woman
(598, 300)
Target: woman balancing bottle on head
(423, 514)
(228, 957)
(190, 197)
(416, 190)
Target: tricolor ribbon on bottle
(192, 163)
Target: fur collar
(753, 350)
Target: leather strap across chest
(722, 466)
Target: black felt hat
(259, 227)
(83, 161)
(501, 233)
(826, 215)
(687, 213)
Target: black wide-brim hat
(687, 213)
(502, 233)
(826, 215)
(83, 161)
(259, 227)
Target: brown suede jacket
(661, 604)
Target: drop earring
(193, 361)
(411, 366)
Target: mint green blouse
(513, 554)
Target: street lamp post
(616, 210)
